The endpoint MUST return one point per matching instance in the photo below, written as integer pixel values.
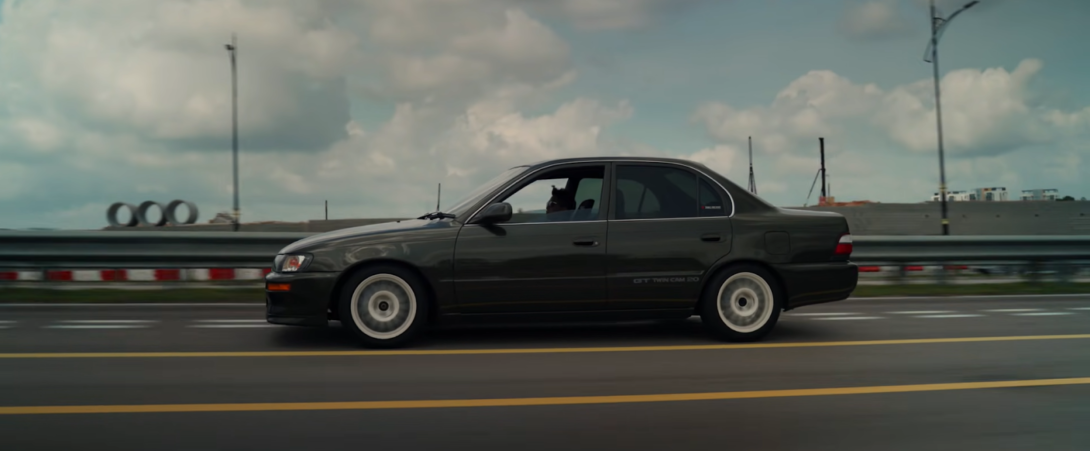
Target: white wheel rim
(383, 306)
(745, 302)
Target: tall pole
(938, 115)
(938, 25)
(821, 142)
(752, 178)
(231, 48)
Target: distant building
(993, 194)
(1041, 194)
(955, 196)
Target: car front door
(667, 226)
(539, 261)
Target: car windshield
(459, 206)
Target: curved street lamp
(931, 55)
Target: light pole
(234, 123)
(938, 25)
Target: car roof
(542, 163)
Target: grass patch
(257, 295)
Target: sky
(368, 104)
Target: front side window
(560, 195)
(655, 192)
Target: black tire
(393, 307)
(742, 318)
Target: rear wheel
(384, 306)
(742, 303)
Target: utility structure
(821, 145)
(231, 49)
(938, 25)
(820, 173)
(752, 178)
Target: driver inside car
(560, 205)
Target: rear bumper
(305, 304)
(808, 284)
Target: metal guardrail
(970, 249)
(36, 250)
(73, 250)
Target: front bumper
(808, 284)
(306, 303)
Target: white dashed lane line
(230, 321)
(1043, 314)
(923, 312)
(951, 315)
(102, 324)
(1012, 310)
(831, 318)
(232, 324)
(108, 321)
(823, 314)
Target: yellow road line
(513, 402)
(820, 344)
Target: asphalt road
(855, 375)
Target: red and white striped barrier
(136, 275)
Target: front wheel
(742, 303)
(384, 306)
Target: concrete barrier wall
(968, 218)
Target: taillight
(844, 246)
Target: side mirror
(497, 212)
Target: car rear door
(667, 226)
(537, 262)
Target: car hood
(385, 228)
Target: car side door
(538, 262)
(667, 226)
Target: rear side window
(655, 192)
(711, 203)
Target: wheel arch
(342, 279)
(726, 265)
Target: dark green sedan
(581, 239)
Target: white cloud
(38, 134)
(873, 135)
(985, 112)
(806, 109)
(617, 14)
(720, 158)
(160, 68)
(874, 19)
(136, 96)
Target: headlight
(293, 263)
